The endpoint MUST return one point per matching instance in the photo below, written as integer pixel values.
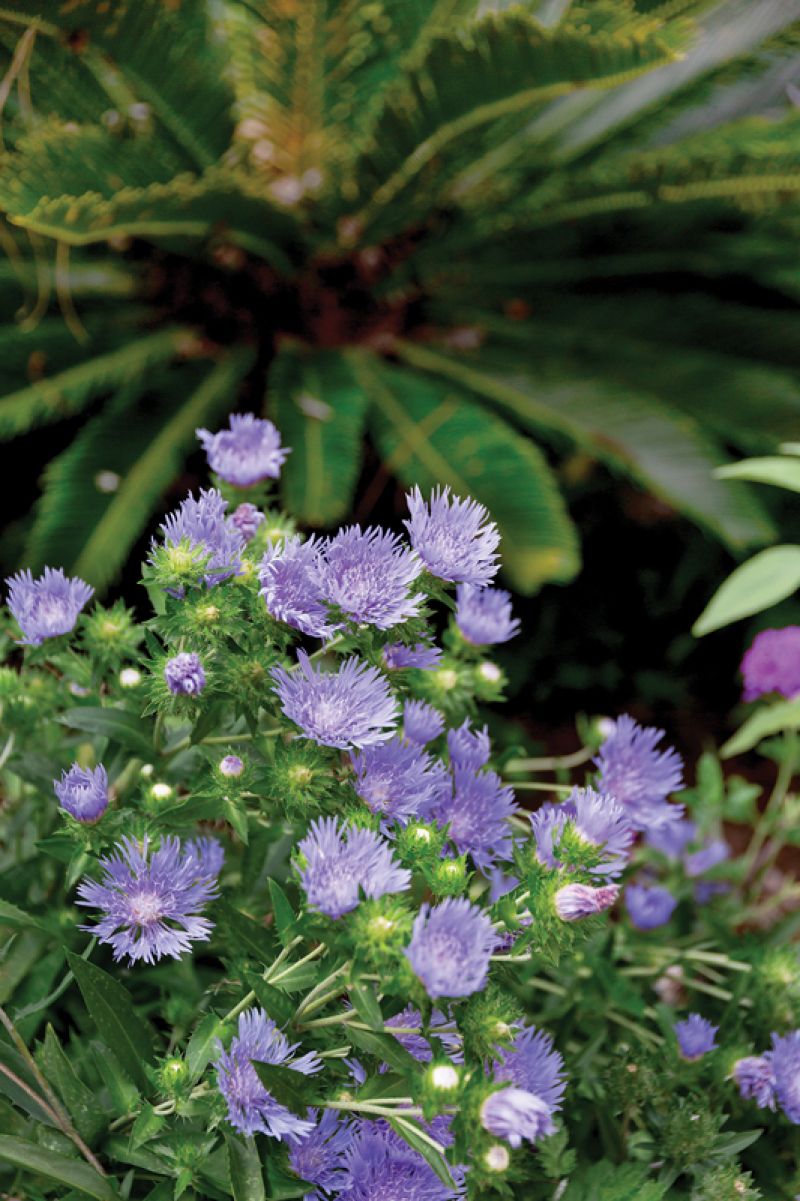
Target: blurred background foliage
(544, 252)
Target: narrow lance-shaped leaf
(119, 1025)
(31, 1157)
(762, 581)
(783, 473)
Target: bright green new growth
(473, 240)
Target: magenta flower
(772, 664)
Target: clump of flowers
(342, 939)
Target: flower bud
(129, 677)
(231, 766)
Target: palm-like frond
(464, 236)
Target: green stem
(552, 762)
(380, 1111)
(52, 1106)
(535, 786)
(764, 828)
(315, 999)
(267, 977)
(313, 954)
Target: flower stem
(552, 762)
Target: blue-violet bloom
(450, 947)
(83, 792)
(46, 607)
(351, 707)
(246, 453)
(336, 862)
(185, 675)
(484, 616)
(696, 1036)
(455, 538)
(649, 908)
(421, 723)
(638, 776)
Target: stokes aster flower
(251, 1107)
(396, 780)
(755, 1077)
(450, 947)
(455, 538)
(151, 902)
(421, 656)
(696, 1036)
(381, 1166)
(649, 908)
(368, 576)
(421, 723)
(353, 707)
(185, 675)
(515, 1114)
(533, 1064)
(598, 821)
(83, 792)
(289, 578)
(317, 1157)
(468, 747)
(246, 518)
(338, 862)
(247, 453)
(416, 1044)
(639, 777)
(786, 1066)
(46, 607)
(484, 616)
(477, 810)
(772, 664)
(576, 901)
(201, 523)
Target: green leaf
(18, 919)
(412, 1133)
(117, 1021)
(147, 1125)
(69, 391)
(288, 1087)
(430, 434)
(244, 1162)
(784, 473)
(130, 731)
(140, 489)
(282, 910)
(283, 1187)
(320, 408)
(762, 581)
(277, 1003)
(386, 1048)
(202, 1044)
(504, 66)
(30, 1157)
(366, 1005)
(637, 434)
(249, 937)
(766, 721)
(80, 1100)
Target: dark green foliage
(545, 213)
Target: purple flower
(368, 576)
(468, 747)
(317, 1158)
(397, 780)
(335, 867)
(533, 1064)
(450, 947)
(649, 908)
(231, 766)
(251, 1107)
(380, 1166)
(83, 792)
(755, 1076)
(289, 577)
(396, 655)
(717, 851)
(421, 723)
(500, 884)
(483, 615)
(201, 523)
(246, 518)
(673, 838)
(351, 707)
(46, 607)
(598, 821)
(477, 810)
(576, 901)
(638, 776)
(246, 453)
(696, 1036)
(772, 664)
(184, 674)
(206, 855)
(454, 538)
(786, 1066)
(515, 1114)
(151, 903)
